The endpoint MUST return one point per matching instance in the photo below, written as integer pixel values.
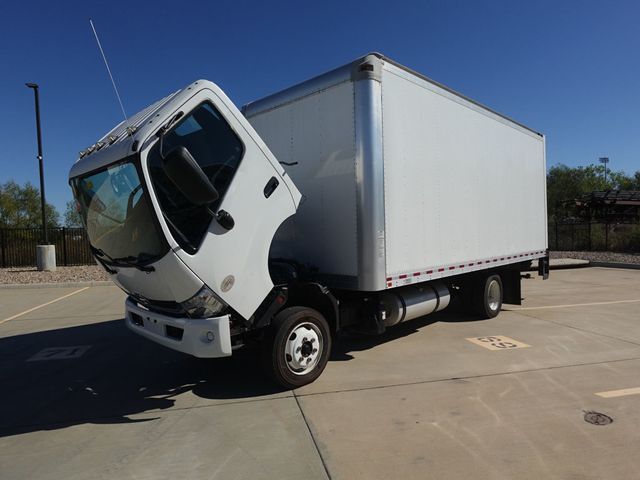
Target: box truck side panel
(317, 132)
(461, 184)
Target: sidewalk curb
(568, 266)
(632, 266)
(93, 283)
(564, 266)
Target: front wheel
(298, 346)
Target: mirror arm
(224, 218)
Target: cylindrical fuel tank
(414, 301)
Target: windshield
(117, 214)
(218, 151)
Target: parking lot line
(571, 305)
(619, 393)
(43, 305)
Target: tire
(298, 346)
(488, 297)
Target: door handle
(270, 187)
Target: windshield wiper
(129, 261)
(132, 261)
(99, 254)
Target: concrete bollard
(46, 258)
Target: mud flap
(543, 266)
(512, 291)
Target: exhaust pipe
(414, 301)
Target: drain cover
(596, 418)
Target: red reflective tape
(500, 259)
(441, 269)
(508, 258)
(452, 268)
(388, 279)
(461, 266)
(389, 284)
(480, 262)
(471, 264)
(495, 259)
(402, 276)
(429, 272)
(416, 274)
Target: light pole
(45, 253)
(604, 160)
(45, 232)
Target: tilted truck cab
(171, 256)
(413, 195)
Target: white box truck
(362, 198)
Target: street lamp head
(32, 85)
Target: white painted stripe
(570, 305)
(43, 305)
(619, 393)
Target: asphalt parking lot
(443, 397)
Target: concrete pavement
(422, 401)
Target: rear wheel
(299, 346)
(488, 297)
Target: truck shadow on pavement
(122, 375)
(353, 342)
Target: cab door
(253, 190)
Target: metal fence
(18, 246)
(592, 236)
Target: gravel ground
(91, 273)
(600, 256)
(86, 273)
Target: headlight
(203, 304)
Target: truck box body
(403, 179)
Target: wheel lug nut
(308, 360)
(313, 340)
(298, 350)
(304, 339)
(301, 360)
(315, 350)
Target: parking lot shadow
(356, 342)
(114, 374)
(118, 375)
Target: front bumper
(204, 338)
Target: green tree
(20, 207)
(565, 184)
(71, 215)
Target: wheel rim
(493, 295)
(303, 348)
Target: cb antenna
(106, 64)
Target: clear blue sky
(570, 69)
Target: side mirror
(186, 174)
